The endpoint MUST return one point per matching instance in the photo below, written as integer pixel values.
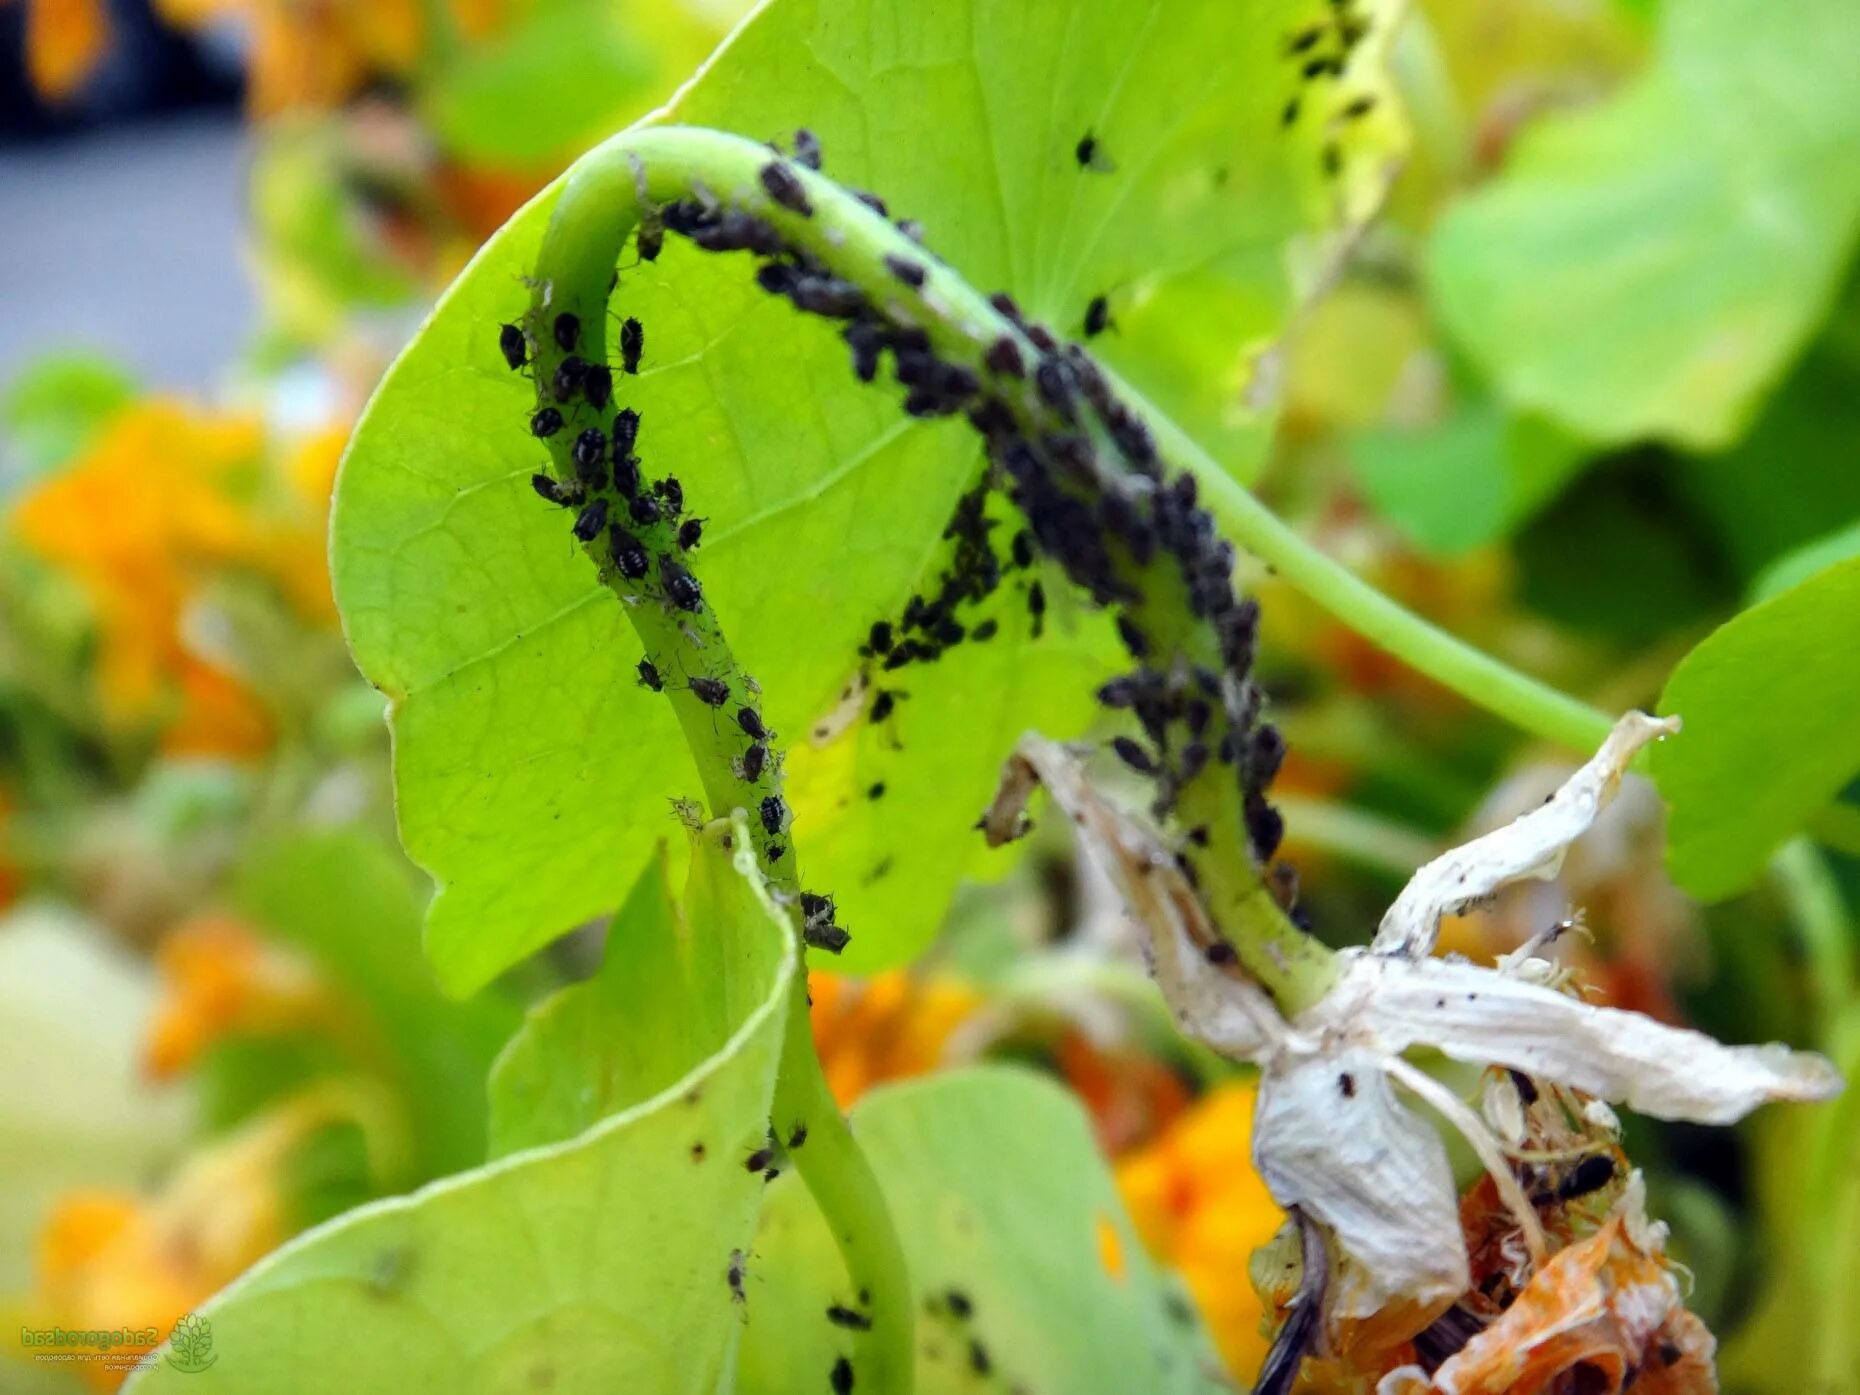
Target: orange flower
(1201, 1208)
(218, 977)
(64, 40)
(886, 1028)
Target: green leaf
(367, 939)
(1796, 567)
(56, 404)
(597, 1264)
(1771, 703)
(1000, 1196)
(1649, 266)
(532, 772)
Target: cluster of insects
(1319, 53)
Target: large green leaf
(1647, 267)
(1002, 1199)
(1771, 703)
(532, 773)
(596, 1264)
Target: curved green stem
(603, 201)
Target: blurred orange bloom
(886, 1028)
(64, 41)
(154, 508)
(218, 976)
(1202, 1209)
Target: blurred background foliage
(1589, 387)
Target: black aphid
(1004, 357)
(1358, 107)
(1265, 753)
(672, 494)
(873, 202)
(1305, 39)
(759, 1160)
(632, 344)
(841, 1378)
(784, 186)
(739, 1265)
(736, 231)
(877, 791)
(1590, 1175)
(1134, 639)
(690, 533)
(590, 453)
(514, 346)
(807, 148)
(1097, 316)
(681, 587)
(651, 240)
(1036, 606)
(750, 721)
(883, 704)
(959, 1304)
(649, 675)
(827, 295)
(841, 1316)
(1265, 827)
(1086, 150)
(548, 488)
(712, 692)
(912, 229)
(773, 811)
(626, 476)
(984, 631)
(546, 422)
(597, 385)
(1021, 549)
(644, 508)
(979, 1361)
(626, 431)
(1220, 952)
(1289, 116)
(591, 519)
(865, 339)
(753, 760)
(1132, 754)
(567, 331)
(629, 553)
(909, 272)
(1332, 158)
(797, 1136)
(568, 377)
(774, 852)
(1055, 388)
(879, 640)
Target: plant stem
(600, 205)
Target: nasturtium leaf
(366, 940)
(595, 1264)
(1793, 568)
(1648, 266)
(1771, 703)
(1001, 1200)
(532, 772)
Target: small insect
(865, 339)
(959, 1304)
(1333, 159)
(1194, 761)
(1055, 388)
(1134, 639)
(883, 704)
(1198, 835)
(1289, 116)
(807, 148)
(750, 721)
(651, 240)
(681, 586)
(909, 272)
(626, 431)
(773, 811)
(1036, 607)
(632, 344)
(759, 1160)
(912, 229)
(784, 186)
(649, 676)
(1305, 39)
(590, 452)
(754, 759)
(739, 1265)
(629, 554)
(1089, 152)
(556, 493)
(873, 202)
(1265, 753)
(1003, 356)
(626, 476)
(984, 631)
(797, 1137)
(546, 422)
(514, 345)
(690, 533)
(1097, 316)
(879, 640)
(1132, 754)
(979, 1361)
(827, 295)
(672, 494)
(591, 519)
(1021, 549)
(567, 331)
(774, 852)
(597, 385)
(712, 692)
(841, 1316)
(568, 377)
(1220, 952)
(1265, 826)
(841, 1378)
(1346, 1085)
(1590, 1175)
(1359, 107)
(644, 508)
(876, 791)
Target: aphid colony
(1319, 54)
(1068, 454)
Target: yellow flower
(1202, 1209)
(64, 40)
(885, 1028)
(218, 977)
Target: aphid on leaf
(626, 431)
(909, 272)
(1133, 755)
(1590, 1175)
(773, 852)
(1358, 107)
(629, 553)
(841, 1378)
(739, 1265)
(1089, 152)
(1055, 388)
(626, 478)
(1289, 116)
(984, 631)
(591, 519)
(979, 1361)
(597, 385)
(784, 186)
(649, 676)
(807, 148)
(1265, 826)
(632, 344)
(873, 202)
(514, 345)
(883, 704)
(877, 791)
(651, 239)
(1036, 607)
(1220, 952)
(712, 692)
(644, 508)
(563, 494)
(841, 1316)
(772, 811)
(912, 229)
(1097, 316)
(567, 331)
(672, 494)
(879, 640)
(753, 761)
(827, 295)
(797, 1136)
(1134, 639)
(590, 452)
(1305, 39)
(681, 586)
(760, 1159)
(1333, 159)
(568, 376)
(750, 721)
(959, 1305)
(865, 339)
(546, 422)
(690, 533)
(1004, 356)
